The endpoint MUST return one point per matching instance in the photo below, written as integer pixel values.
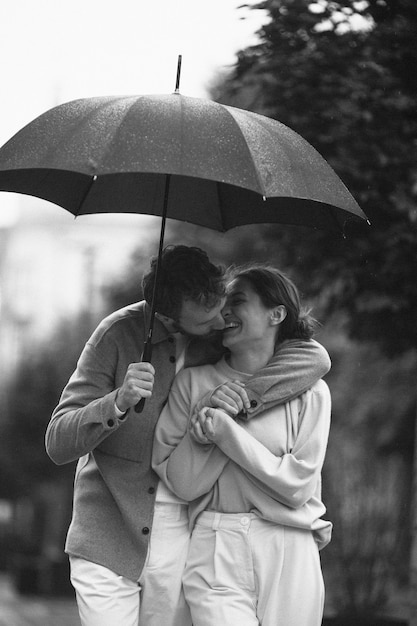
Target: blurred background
(340, 73)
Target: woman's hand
(231, 397)
(197, 429)
(202, 425)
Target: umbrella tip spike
(177, 82)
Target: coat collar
(160, 332)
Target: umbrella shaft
(159, 260)
(147, 348)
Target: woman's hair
(274, 289)
(186, 273)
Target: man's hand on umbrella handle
(137, 384)
(231, 397)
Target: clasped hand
(203, 424)
(231, 396)
(229, 399)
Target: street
(23, 610)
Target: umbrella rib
(84, 198)
(131, 102)
(333, 217)
(222, 211)
(252, 161)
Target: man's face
(196, 319)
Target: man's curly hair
(186, 273)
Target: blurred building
(53, 267)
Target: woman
(254, 486)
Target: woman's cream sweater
(270, 465)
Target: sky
(55, 51)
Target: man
(120, 508)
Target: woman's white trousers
(245, 571)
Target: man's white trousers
(106, 599)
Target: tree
(31, 398)
(361, 89)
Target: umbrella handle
(146, 356)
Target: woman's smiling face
(248, 321)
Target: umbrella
(171, 155)
(227, 166)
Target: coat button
(110, 423)
(151, 490)
(172, 359)
(171, 339)
(253, 403)
(145, 530)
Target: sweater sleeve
(296, 366)
(188, 468)
(293, 476)
(85, 415)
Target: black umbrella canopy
(227, 166)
